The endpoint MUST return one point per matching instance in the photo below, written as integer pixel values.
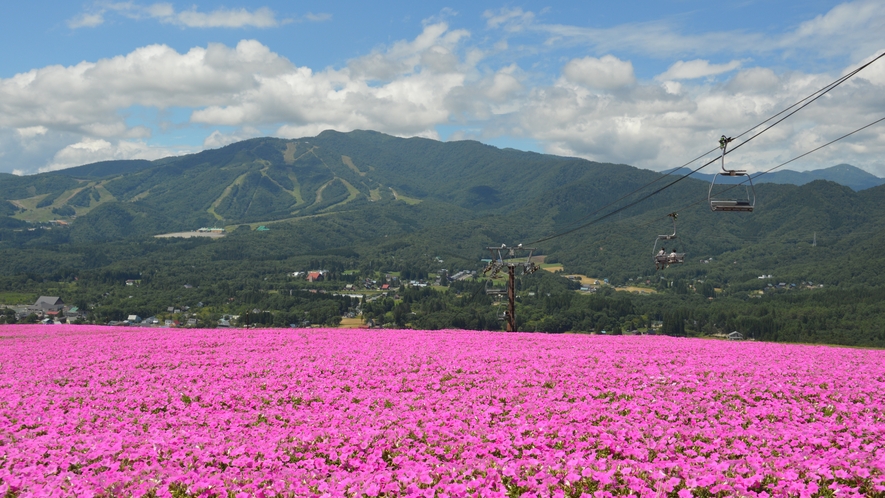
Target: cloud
(754, 80)
(874, 73)
(698, 68)
(405, 97)
(32, 131)
(86, 20)
(595, 106)
(656, 39)
(218, 139)
(224, 18)
(513, 19)
(86, 97)
(247, 87)
(320, 17)
(26, 149)
(850, 29)
(262, 17)
(94, 150)
(605, 73)
(658, 126)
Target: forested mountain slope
(364, 205)
(370, 195)
(264, 180)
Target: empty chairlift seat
(745, 203)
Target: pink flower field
(99, 411)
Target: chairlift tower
(511, 258)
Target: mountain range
(365, 195)
(843, 174)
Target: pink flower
(335, 412)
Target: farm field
(639, 290)
(90, 410)
(585, 280)
(187, 235)
(351, 323)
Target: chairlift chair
(741, 205)
(672, 258)
(494, 290)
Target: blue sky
(651, 84)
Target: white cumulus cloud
(605, 73)
(91, 150)
(248, 87)
(596, 106)
(31, 131)
(218, 139)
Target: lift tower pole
(510, 257)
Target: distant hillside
(363, 198)
(266, 180)
(106, 168)
(806, 265)
(843, 174)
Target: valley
(363, 205)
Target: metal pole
(511, 297)
(497, 263)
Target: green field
(17, 298)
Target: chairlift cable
(820, 93)
(757, 175)
(807, 100)
(821, 146)
(642, 187)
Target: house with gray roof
(49, 303)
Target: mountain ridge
(387, 198)
(843, 174)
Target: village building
(316, 276)
(50, 306)
(49, 303)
